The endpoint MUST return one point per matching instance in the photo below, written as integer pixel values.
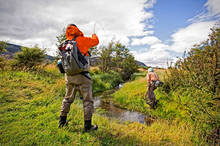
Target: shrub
(29, 58)
(2, 63)
(200, 68)
(198, 75)
(134, 76)
(3, 45)
(118, 58)
(105, 81)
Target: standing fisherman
(152, 78)
(79, 82)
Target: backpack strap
(74, 38)
(85, 74)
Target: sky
(155, 31)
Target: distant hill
(12, 49)
(140, 63)
(94, 60)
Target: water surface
(112, 111)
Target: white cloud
(42, 20)
(28, 22)
(159, 46)
(160, 53)
(154, 57)
(147, 40)
(193, 34)
(213, 7)
(42, 43)
(211, 11)
(157, 55)
(198, 31)
(148, 32)
(182, 40)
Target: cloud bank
(193, 34)
(28, 22)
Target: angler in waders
(81, 81)
(152, 83)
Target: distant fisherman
(152, 83)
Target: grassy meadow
(29, 113)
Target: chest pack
(73, 61)
(154, 84)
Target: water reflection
(113, 111)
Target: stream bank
(104, 102)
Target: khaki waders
(84, 86)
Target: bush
(99, 85)
(105, 81)
(200, 68)
(118, 58)
(197, 76)
(129, 66)
(29, 58)
(111, 77)
(3, 46)
(2, 63)
(135, 76)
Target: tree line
(113, 57)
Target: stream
(105, 103)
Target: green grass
(105, 81)
(171, 107)
(137, 75)
(132, 96)
(29, 113)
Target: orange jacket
(83, 43)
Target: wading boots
(63, 121)
(89, 127)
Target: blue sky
(177, 26)
(155, 31)
(170, 15)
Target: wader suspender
(84, 73)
